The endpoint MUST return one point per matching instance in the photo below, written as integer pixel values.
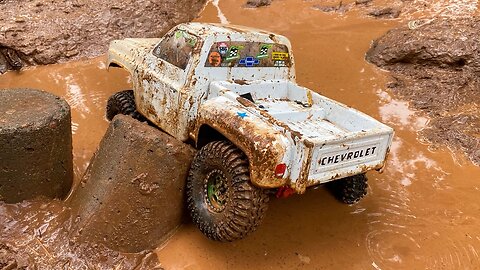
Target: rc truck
(230, 91)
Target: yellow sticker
(282, 56)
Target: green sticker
(234, 52)
(263, 53)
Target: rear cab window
(248, 54)
(176, 48)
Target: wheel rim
(216, 190)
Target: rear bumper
(321, 163)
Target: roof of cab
(205, 30)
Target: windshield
(247, 54)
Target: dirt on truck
(232, 91)
(422, 212)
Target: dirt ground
(421, 213)
(47, 32)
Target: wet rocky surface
(436, 68)
(47, 32)
(35, 235)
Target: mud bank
(34, 235)
(46, 32)
(437, 69)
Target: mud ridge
(437, 69)
(47, 32)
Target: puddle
(421, 213)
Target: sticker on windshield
(264, 51)
(248, 55)
(215, 59)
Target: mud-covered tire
(244, 204)
(351, 189)
(122, 102)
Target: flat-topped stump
(35, 145)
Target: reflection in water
(395, 111)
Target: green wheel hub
(216, 190)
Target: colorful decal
(249, 61)
(263, 53)
(215, 59)
(189, 39)
(243, 54)
(234, 53)
(223, 48)
(242, 114)
(281, 56)
(279, 63)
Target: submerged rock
(258, 3)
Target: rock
(339, 8)
(388, 12)
(36, 143)
(36, 31)
(258, 3)
(363, 2)
(131, 197)
(436, 65)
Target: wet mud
(46, 32)
(421, 213)
(35, 235)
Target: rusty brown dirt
(46, 32)
(421, 213)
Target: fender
(265, 147)
(127, 53)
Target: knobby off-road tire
(123, 102)
(351, 189)
(222, 201)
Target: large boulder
(436, 65)
(131, 197)
(46, 32)
(35, 144)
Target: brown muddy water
(423, 212)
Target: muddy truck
(231, 92)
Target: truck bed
(341, 140)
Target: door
(163, 81)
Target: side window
(176, 48)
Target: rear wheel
(351, 189)
(122, 102)
(222, 201)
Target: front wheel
(122, 102)
(351, 189)
(222, 201)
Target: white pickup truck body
(251, 100)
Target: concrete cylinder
(131, 197)
(35, 145)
